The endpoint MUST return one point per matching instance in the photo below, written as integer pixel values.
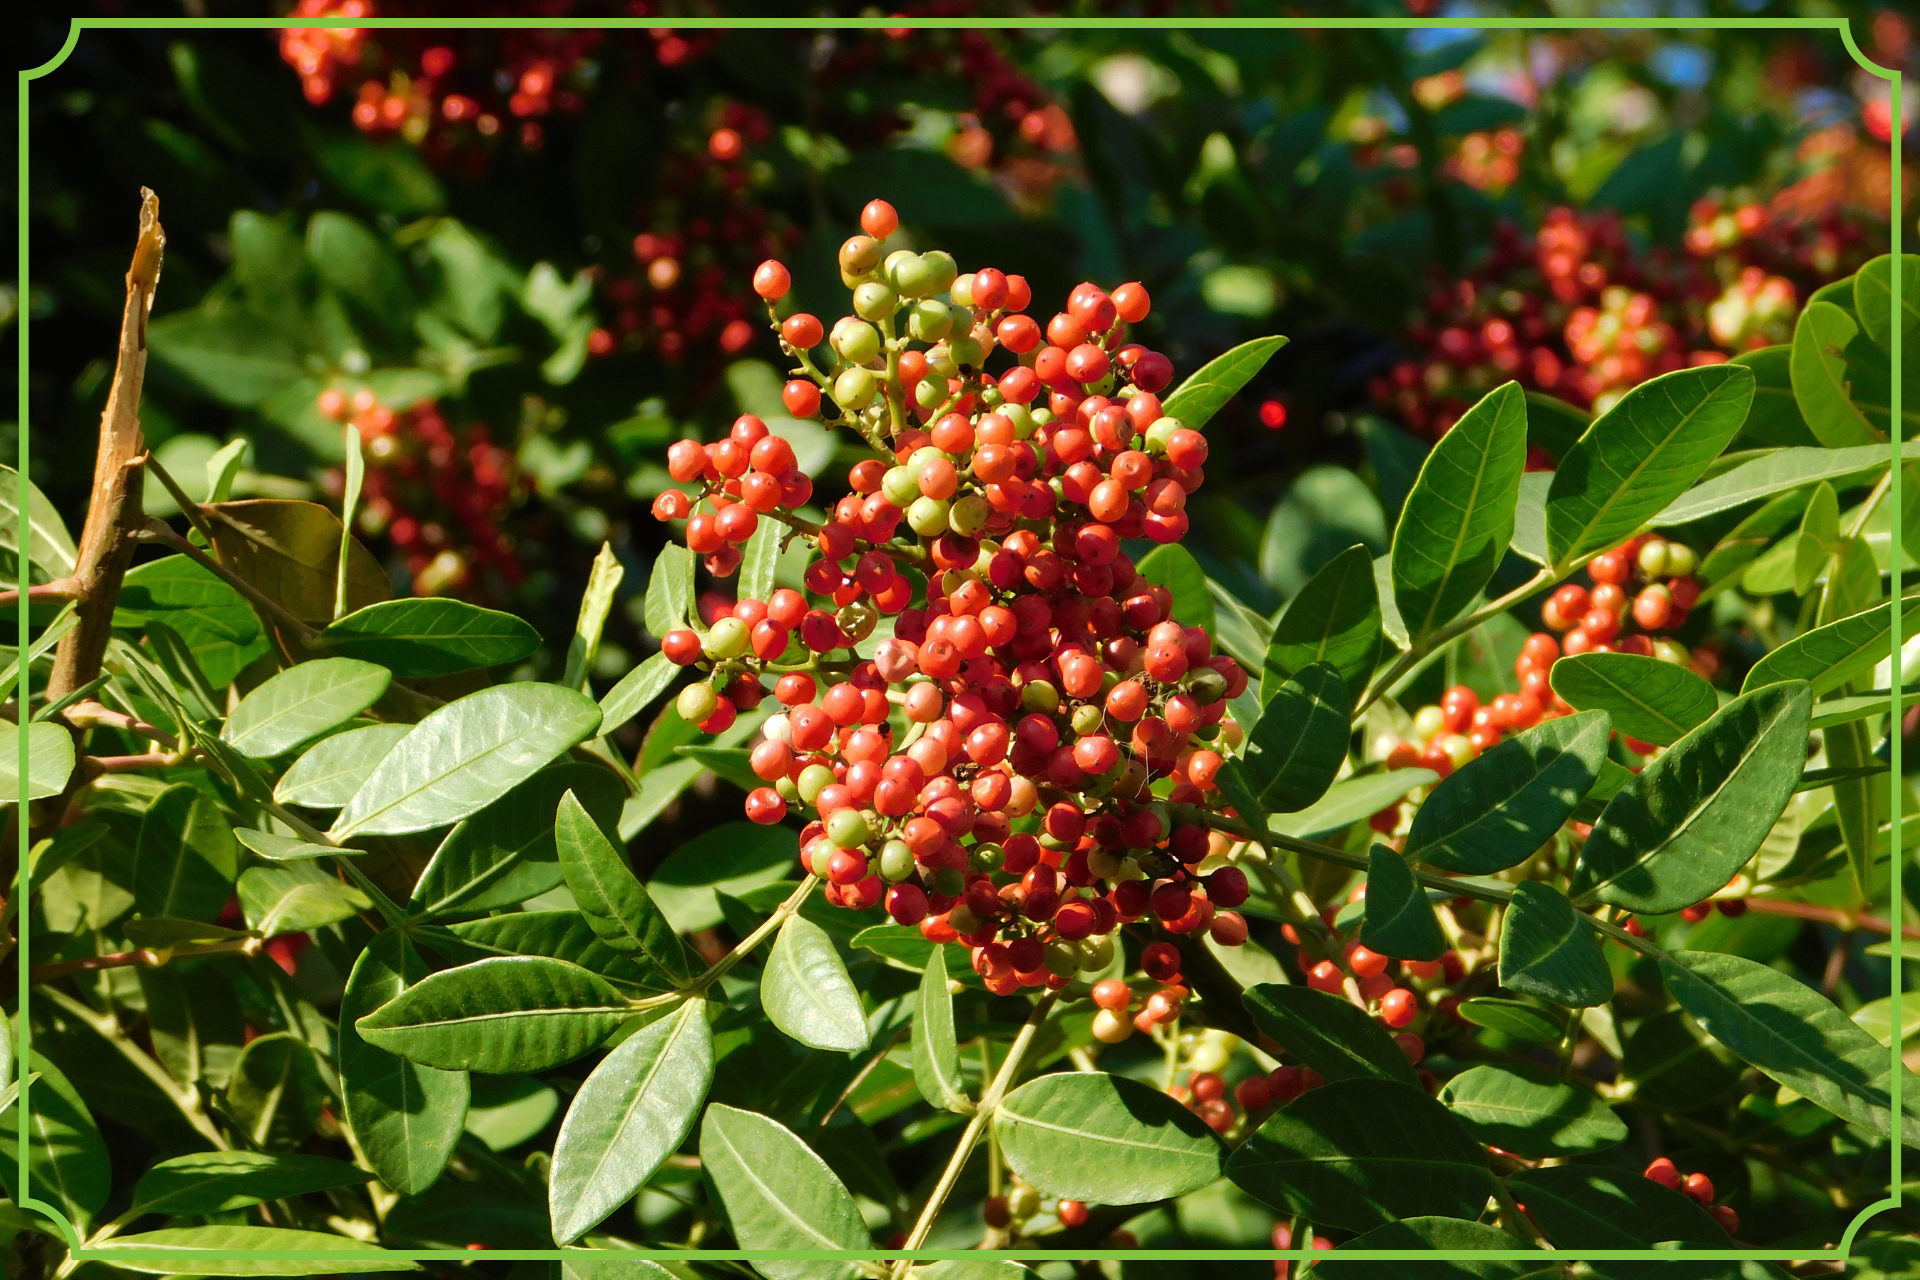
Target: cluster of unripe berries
(441, 498)
(986, 774)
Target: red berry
(771, 280)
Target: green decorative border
(349, 1256)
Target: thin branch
(1452, 631)
(1838, 917)
(159, 531)
(146, 957)
(46, 593)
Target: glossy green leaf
(759, 558)
(1399, 920)
(670, 590)
(1644, 698)
(1514, 1018)
(431, 636)
(1860, 801)
(508, 1014)
(507, 853)
(276, 1093)
(186, 858)
(1819, 367)
(636, 691)
(730, 764)
(1328, 1033)
(1549, 952)
(776, 1194)
(806, 992)
(1092, 1136)
(1500, 807)
(281, 848)
(294, 898)
(183, 1251)
(1839, 652)
(406, 1117)
(1775, 420)
(67, 1161)
(631, 1113)
(466, 755)
(1642, 454)
(1336, 619)
(611, 897)
(50, 760)
(733, 858)
(331, 770)
(1172, 566)
(1775, 473)
(1531, 1112)
(1458, 520)
(1777, 1023)
(1453, 1240)
(936, 1055)
(1590, 1206)
(1207, 390)
(1296, 748)
(1553, 424)
(195, 1023)
(1873, 301)
(1350, 800)
(603, 584)
(561, 935)
(209, 1182)
(506, 1111)
(1691, 819)
(295, 706)
(50, 547)
(1356, 1154)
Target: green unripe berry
(928, 516)
(944, 269)
(986, 857)
(900, 486)
(1022, 419)
(1022, 1201)
(929, 321)
(910, 273)
(951, 580)
(1041, 696)
(896, 861)
(855, 340)
(967, 351)
(855, 388)
(1061, 959)
(1207, 686)
(1681, 560)
(1654, 561)
(784, 787)
(859, 255)
(875, 301)
(813, 779)
(929, 394)
(949, 881)
(1108, 679)
(697, 702)
(1041, 417)
(847, 828)
(857, 618)
(1160, 432)
(1207, 1056)
(1102, 386)
(962, 290)
(940, 360)
(969, 515)
(1672, 651)
(728, 639)
(919, 459)
(1087, 719)
(1096, 953)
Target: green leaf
(1092, 1136)
(465, 755)
(276, 1093)
(194, 1020)
(1691, 819)
(1642, 454)
(1207, 390)
(561, 935)
(290, 551)
(603, 583)
(670, 590)
(1775, 420)
(1399, 920)
(1644, 698)
(1549, 952)
(281, 848)
(806, 992)
(1172, 566)
(209, 1182)
(1590, 1206)
(1777, 1023)
(1555, 425)
(1500, 807)
(776, 1194)
(1858, 801)
(1514, 1018)
(186, 858)
(1329, 1034)
(631, 1113)
(50, 547)
(507, 1111)
(216, 623)
(510, 1014)
(66, 1158)
(434, 636)
(636, 691)
(1838, 653)
(183, 1251)
(507, 853)
(1295, 749)
(295, 898)
(611, 897)
(1350, 800)
(1458, 520)
(1775, 473)
(1819, 369)
(1356, 1154)
(1334, 619)
(328, 773)
(406, 1117)
(360, 266)
(1454, 1238)
(936, 1056)
(295, 706)
(759, 559)
(1531, 1112)
(730, 764)
(228, 355)
(734, 858)
(50, 761)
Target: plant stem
(718, 970)
(150, 957)
(1516, 1216)
(1838, 917)
(1447, 634)
(989, 1103)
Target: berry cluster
(989, 773)
(1697, 1187)
(442, 498)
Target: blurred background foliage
(519, 259)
